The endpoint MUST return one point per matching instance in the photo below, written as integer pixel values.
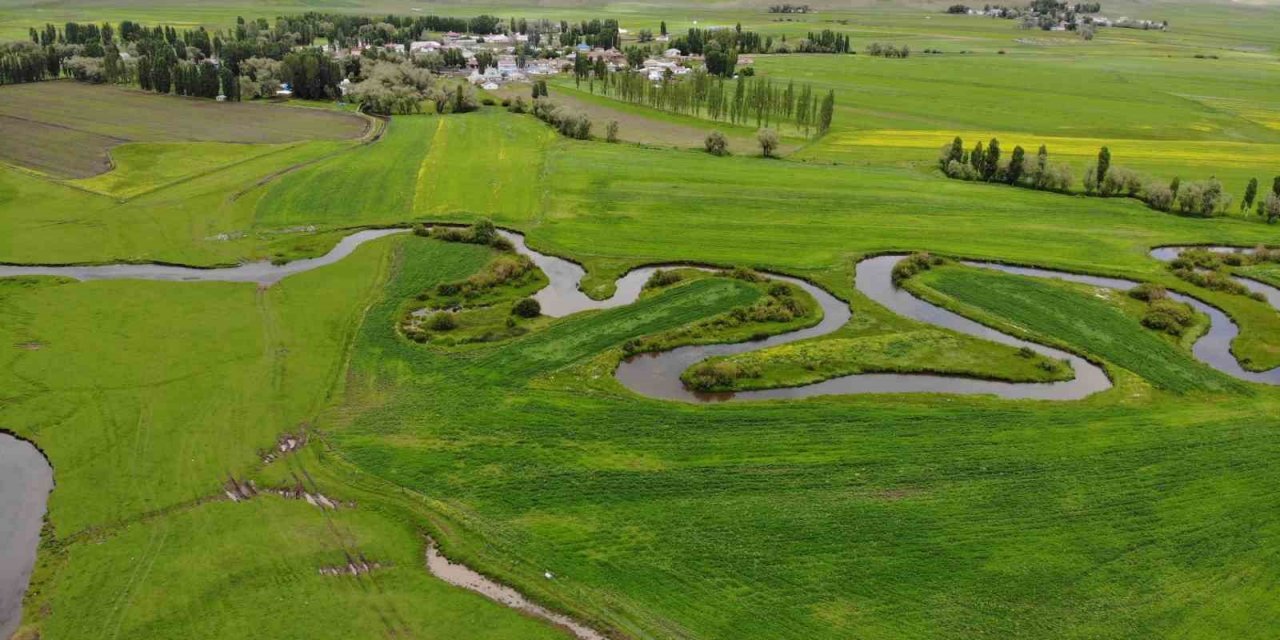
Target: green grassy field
(1142, 511)
(624, 496)
(108, 398)
(484, 164)
(1077, 317)
(245, 556)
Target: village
(1050, 15)
(492, 60)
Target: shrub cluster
(913, 264)
(442, 321)
(746, 274)
(778, 306)
(570, 123)
(711, 376)
(662, 278)
(1216, 281)
(888, 50)
(482, 231)
(527, 308)
(501, 270)
(1168, 316)
(1205, 259)
(716, 144)
(1202, 198)
(1148, 292)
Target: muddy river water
(25, 481)
(26, 478)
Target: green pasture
(143, 393)
(987, 506)
(144, 167)
(226, 570)
(1079, 317)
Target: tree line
(1101, 178)
(166, 59)
(737, 101)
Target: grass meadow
(986, 506)
(1142, 511)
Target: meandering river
(657, 375)
(26, 478)
(263, 272)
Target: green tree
(802, 108)
(991, 164)
(581, 68)
(828, 110)
(1042, 167)
(1015, 165)
(1250, 192)
(739, 100)
(977, 157)
(955, 153)
(483, 231)
(1269, 208)
(1104, 163)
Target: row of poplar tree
(743, 100)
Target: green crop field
(1147, 509)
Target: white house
(540, 68)
(671, 53)
(507, 65)
(489, 86)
